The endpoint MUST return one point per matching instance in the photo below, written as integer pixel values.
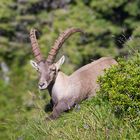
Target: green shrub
(121, 87)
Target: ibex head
(46, 67)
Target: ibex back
(66, 91)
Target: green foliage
(108, 25)
(103, 21)
(121, 86)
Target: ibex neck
(59, 79)
(61, 74)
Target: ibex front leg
(49, 106)
(59, 108)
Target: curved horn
(59, 42)
(35, 47)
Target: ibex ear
(60, 62)
(34, 64)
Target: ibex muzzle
(66, 91)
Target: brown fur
(70, 90)
(66, 91)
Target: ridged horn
(35, 47)
(59, 42)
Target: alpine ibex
(66, 91)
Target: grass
(23, 118)
(91, 120)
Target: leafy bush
(121, 87)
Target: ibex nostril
(42, 84)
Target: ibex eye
(52, 69)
